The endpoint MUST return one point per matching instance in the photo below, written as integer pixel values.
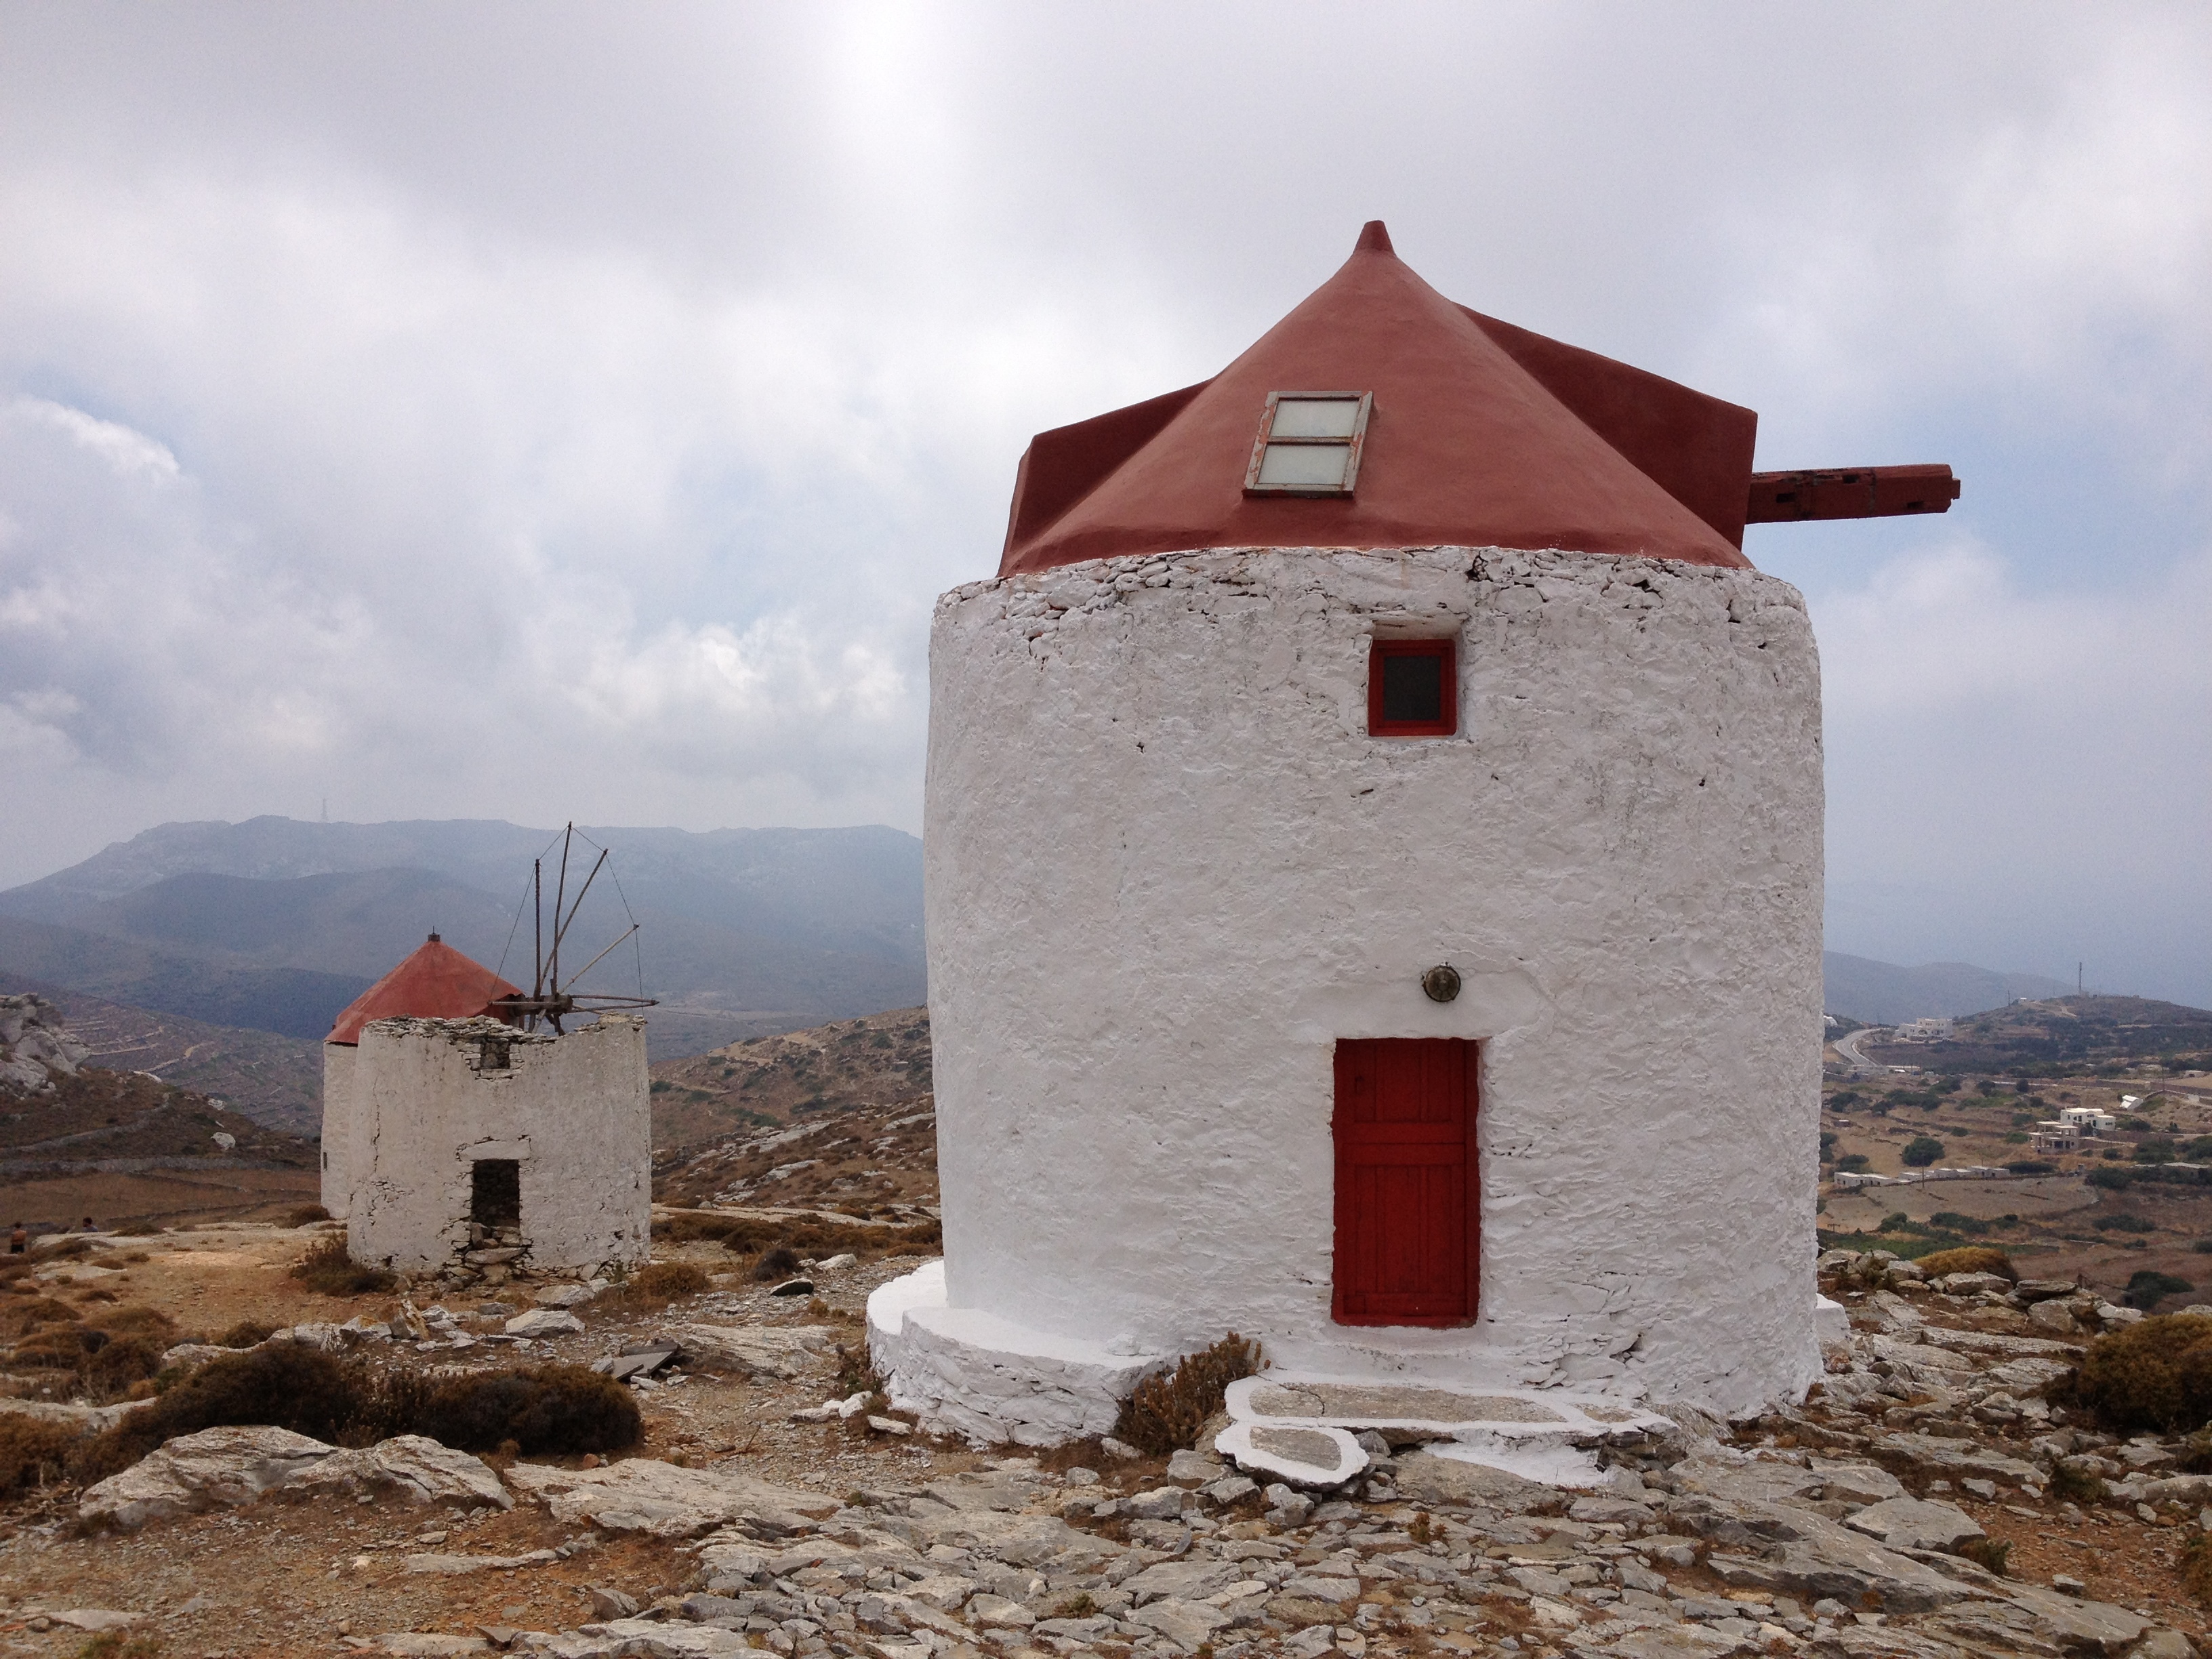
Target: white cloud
(2023, 774)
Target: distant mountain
(262, 924)
(1883, 994)
(292, 1001)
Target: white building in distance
(453, 1143)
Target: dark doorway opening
(496, 1192)
(1408, 1236)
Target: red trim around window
(1447, 653)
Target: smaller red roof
(436, 982)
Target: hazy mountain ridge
(277, 924)
(1885, 993)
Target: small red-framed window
(1413, 689)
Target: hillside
(276, 924)
(1883, 994)
(277, 1081)
(840, 1115)
(120, 1146)
(2063, 1035)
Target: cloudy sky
(541, 410)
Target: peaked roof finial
(1374, 238)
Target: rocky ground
(1926, 1501)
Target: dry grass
(2196, 1569)
(1165, 1413)
(746, 1235)
(306, 1215)
(106, 1357)
(1969, 1259)
(328, 1269)
(1988, 1553)
(34, 1452)
(653, 1286)
(780, 1262)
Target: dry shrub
(53, 1348)
(1987, 1553)
(34, 1451)
(146, 1228)
(2075, 1485)
(20, 1316)
(542, 1408)
(110, 1370)
(117, 1644)
(328, 1270)
(246, 1334)
(856, 1373)
(1165, 1413)
(137, 1320)
(306, 1215)
(1969, 1259)
(654, 1286)
(779, 1263)
(288, 1385)
(2155, 1374)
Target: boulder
(1973, 1284)
(1191, 1580)
(998, 1613)
(234, 1465)
(543, 1322)
(1809, 1556)
(1433, 1479)
(780, 1352)
(646, 1360)
(565, 1296)
(2054, 1315)
(1161, 1504)
(412, 1467)
(1194, 1468)
(649, 1637)
(1953, 1459)
(196, 1471)
(1186, 1624)
(1911, 1523)
(642, 1494)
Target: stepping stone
(1298, 1454)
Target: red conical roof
(436, 982)
(1481, 435)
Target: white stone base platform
(991, 1381)
(1301, 1428)
(986, 1378)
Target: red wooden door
(1408, 1242)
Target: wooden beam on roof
(1857, 492)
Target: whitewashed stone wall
(1167, 870)
(574, 1111)
(337, 1094)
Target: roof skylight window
(1309, 444)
